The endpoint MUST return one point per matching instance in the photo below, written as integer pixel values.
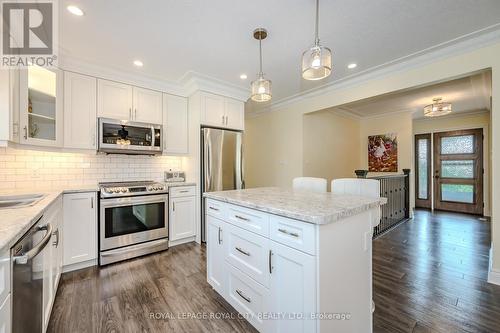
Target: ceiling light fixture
(261, 88)
(437, 108)
(138, 63)
(75, 10)
(352, 66)
(317, 61)
(243, 76)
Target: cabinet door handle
(213, 208)
(130, 113)
(184, 191)
(173, 206)
(56, 234)
(25, 133)
(222, 119)
(135, 114)
(241, 218)
(92, 202)
(242, 251)
(246, 298)
(270, 262)
(220, 239)
(286, 232)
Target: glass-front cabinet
(41, 106)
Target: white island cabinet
(293, 261)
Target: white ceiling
(215, 37)
(466, 94)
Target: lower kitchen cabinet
(292, 282)
(216, 272)
(182, 214)
(5, 314)
(80, 230)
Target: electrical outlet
(35, 173)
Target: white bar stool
(310, 184)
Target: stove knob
(116, 190)
(124, 190)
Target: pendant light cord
(260, 56)
(316, 32)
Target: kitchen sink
(18, 201)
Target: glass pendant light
(437, 108)
(261, 88)
(317, 61)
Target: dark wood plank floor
(429, 275)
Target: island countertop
(316, 208)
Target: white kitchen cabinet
(290, 270)
(216, 273)
(41, 106)
(220, 111)
(291, 295)
(5, 316)
(80, 111)
(9, 105)
(182, 214)
(212, 110)
(57, 246)
(175, 124)
(235, 114)
(114, 100)
(79, 230)
(147, 106)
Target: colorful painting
(383, 153)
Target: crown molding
(193, 81)
(185, 87)
(457, 46)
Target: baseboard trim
(80, 265)
(182, 241)
(493, 274)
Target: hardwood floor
(429, 275)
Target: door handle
(220, 239)
(173, 206)
(92, 202)
(241, 218)
(286, 232)
(25, 133)
(270, 262)
(246, 298)
(222, 119)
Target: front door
(458, 171)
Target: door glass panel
(41, 103)
(457, 169)
(423, 161)
(463, 144)
(131, 219)
(457, 193)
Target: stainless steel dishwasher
(27, 282)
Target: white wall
(330, 145)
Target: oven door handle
(138, 200)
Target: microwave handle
(152, 136)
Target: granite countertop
(15, 222)
(317, 208)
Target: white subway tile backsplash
(38, 169)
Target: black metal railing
(396, 188)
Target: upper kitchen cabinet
(9, 105)
(80, 111)
(220, 111)
(235, 114)
(124, 102)
(41, 106)
(175, 124)
(147, 106)
(114, 100)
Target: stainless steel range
(133, 220)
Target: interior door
(458, 171)
(423, 194)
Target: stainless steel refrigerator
(221, 164)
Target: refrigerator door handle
(208, 162)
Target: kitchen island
(293, 261)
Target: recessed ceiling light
(243, 76)
(75, 10)
(138, 63)
(352, 66)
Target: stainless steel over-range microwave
(129, 137)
